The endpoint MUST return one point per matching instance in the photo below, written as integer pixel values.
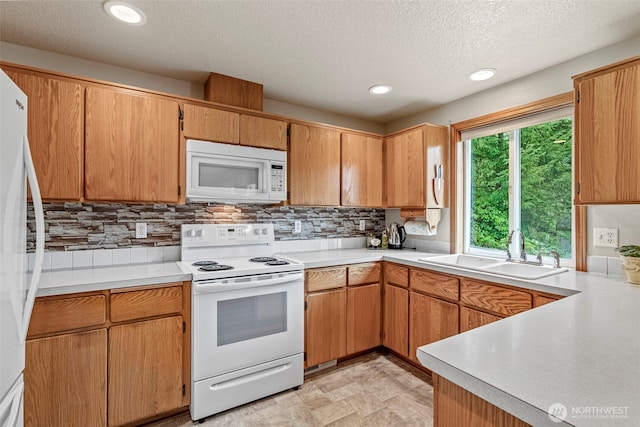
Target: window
(518, 177)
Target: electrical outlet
(141, 230)
(605, 237)
(362, 225)
(297, 226)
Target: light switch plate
(141, 230)
(605, 237)
(297, 226)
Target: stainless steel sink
(494, 266)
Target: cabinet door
(326, 326)
(361, 170)
(405, 170)
(131, 147)
(314, 166)
(396, 320)
(145, 369)
(211, 124)
(470, 319)
(431, 320)
(55, 134)
(263, 132)
(436, 141)
(607, 131)
(363, 318)
(65, 380)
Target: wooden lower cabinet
(363, 318)
(66, 380)
(454, 406)
(471, 319)
(145, 359)
(325, 326)
(110, 357)
(396, 319)
(431, 319)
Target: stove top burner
(203, 263)
(277, 262)
(215, 267)
(263, 259)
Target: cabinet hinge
(184, 327)
(184, 389)
(578, 188)
(180, 114)
(182, 125)
(577, 97)
(179, 190)
(304, 356)
(306, 305)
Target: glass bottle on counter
(385, 239)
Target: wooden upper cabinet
(607, 130)
(405, 170)
(314, 166)
(417, 168)
(211, 124)
(263, 132)
(131, 147)
(437, 163)
(55, 121)
(361, 170)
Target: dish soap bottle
(385, 239)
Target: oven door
(253, 323)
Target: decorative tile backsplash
(73, 226)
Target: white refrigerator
(17, 285)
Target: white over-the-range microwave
(229, 173)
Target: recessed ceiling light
(380, 89)
(483, 74)
(125, 12)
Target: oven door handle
(215, 285)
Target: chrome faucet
(523, 252)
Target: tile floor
(376, 389)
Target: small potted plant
(630, 255)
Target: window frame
(457, 171)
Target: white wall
(80, 67)
(543, 84)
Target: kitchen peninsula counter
(582, 352)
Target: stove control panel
(226, 234)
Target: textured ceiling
(325, 54)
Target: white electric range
(247, 316)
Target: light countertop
(582, 351)
(68, 281)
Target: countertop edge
(503, 400)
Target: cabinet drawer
(364, 273)
(63, 314)
(320, 279)
(435, 284)
(396, 274)
(130, 305)
(494, 298)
